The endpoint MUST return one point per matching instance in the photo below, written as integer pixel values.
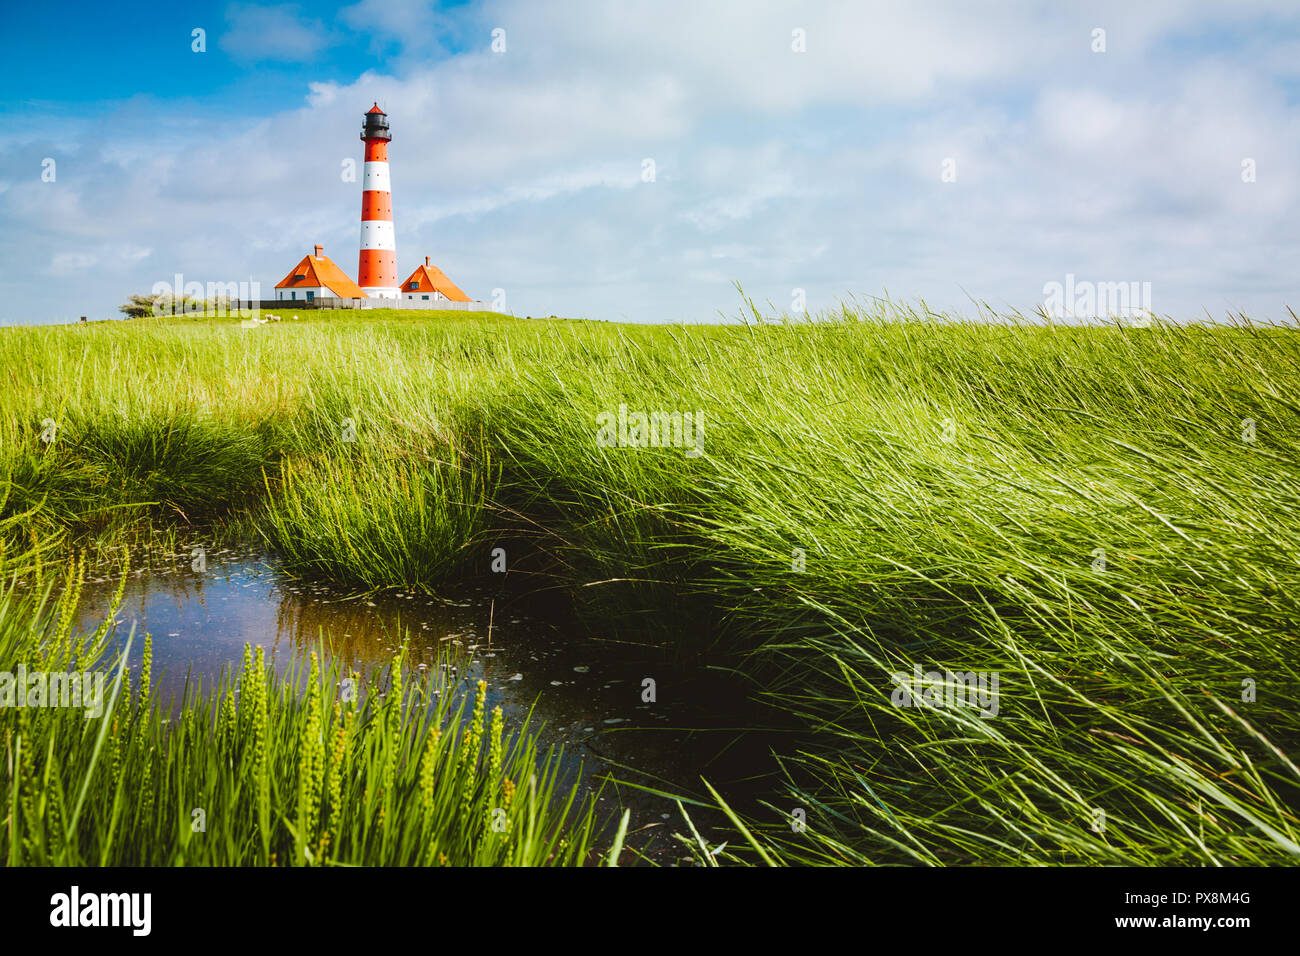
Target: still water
(585, 701)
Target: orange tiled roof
(432, 279)
(321, 272)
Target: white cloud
(69, 263)
(256, 33)
(410, 22)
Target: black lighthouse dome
(376, 124)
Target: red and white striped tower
(377, 269)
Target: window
(310, 295)
(293, 294)
(423, 297)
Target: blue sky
(818, 169)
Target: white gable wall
(299, 294)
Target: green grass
(1104, 516)
(268, 770)
(378, 520)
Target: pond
(585, 695)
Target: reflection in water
(583, 700)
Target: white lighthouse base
(381, 292)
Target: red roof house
(316, 276)
(428, 282)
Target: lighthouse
(377, 268)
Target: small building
(317, 277)
(429, 283)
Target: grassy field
(1103, 517)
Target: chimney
(319, 250)
(427, 263)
